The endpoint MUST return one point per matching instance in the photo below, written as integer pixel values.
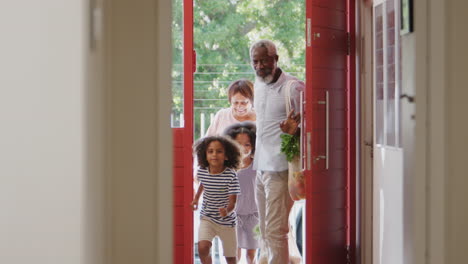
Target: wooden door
(328, 133)
(183, 161)
(328, 126)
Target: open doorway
(222, 34)
(216, 66)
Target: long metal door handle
(327, 130)
(309, 151)
(301, 136)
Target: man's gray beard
(267, 79)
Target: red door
(328, 129)
(182, 151)
(329, 125)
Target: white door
(388, 154)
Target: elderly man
(273, 200)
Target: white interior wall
(435, 143)
(43, 132)
(164, 162)
(436, 128)
(441, 143)
(69, 116)
(95, 229)
(408, 120)
(418, 225)
(57, 140)
(138, 62)
(456, 181)
(366, 130)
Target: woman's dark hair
(242, 86)
(231, 149)
(246, 127)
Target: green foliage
(256, 231)
(223, 33)
(290, 146)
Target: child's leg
(231, 260)
(251, 256)
(206, 233)
(239, 254)
(246, 238)
(229, 239)
(204, 248)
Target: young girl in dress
(246, 209)
(218, 159)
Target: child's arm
(194, 203)
(231, 205)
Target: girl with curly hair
(218, 159)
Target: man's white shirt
(269, 104)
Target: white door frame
(365, 128)
(388, 216)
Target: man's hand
(290, 125)
(223, 212)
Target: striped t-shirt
(216, 191)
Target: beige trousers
(274, 205)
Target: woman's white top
(221, 121)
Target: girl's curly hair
(245, 127)
(231, 149)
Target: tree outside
(223, 33)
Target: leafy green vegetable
(290, 146)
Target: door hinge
(348, 44)
(371, 145)
(194, 61)
(309, 32)
(348, 255)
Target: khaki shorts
(227, 234)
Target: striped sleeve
(234, 186)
